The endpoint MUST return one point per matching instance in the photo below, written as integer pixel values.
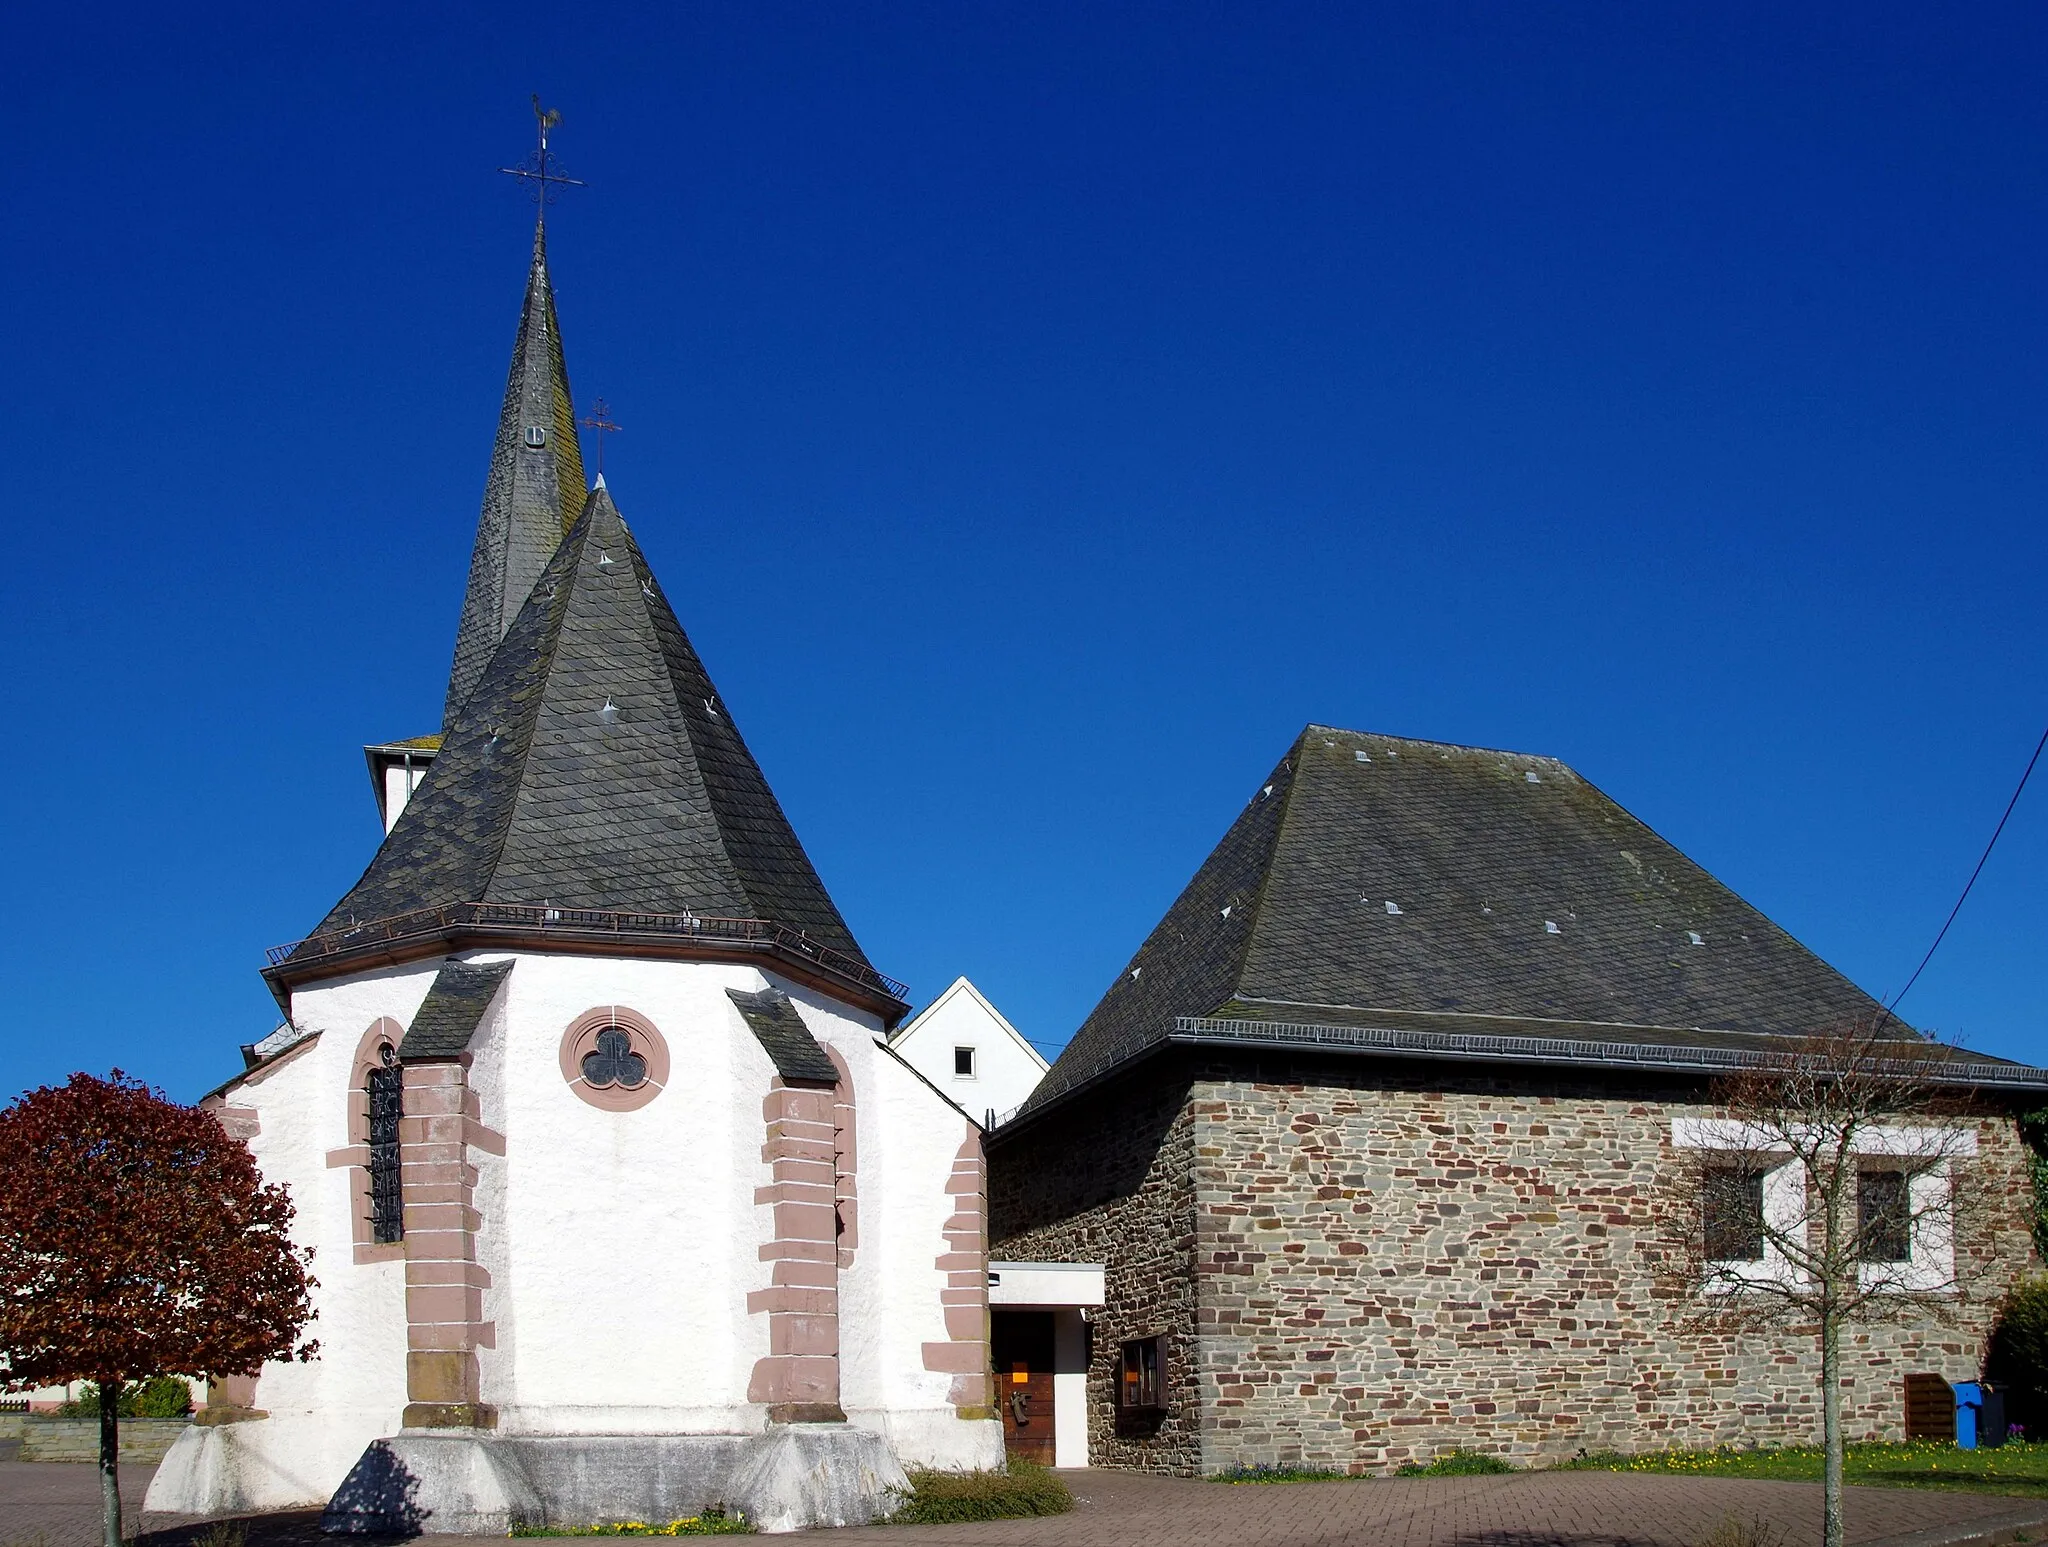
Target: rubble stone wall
(1390, 1270)
(1364, 1265)
(1110, 1179)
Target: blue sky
(1036, 413)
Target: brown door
(1020, 1347)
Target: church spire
(535, 488)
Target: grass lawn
(2017, 1469)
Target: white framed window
(963, 1063)
(1748, 1209)
(1755, 1190)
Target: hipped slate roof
(595, 766)
(1426, 889)
(784, 1036)
(533, 493)
(447, 1018)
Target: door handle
(1018, 1408)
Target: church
(623, 1207)
(635, 1190)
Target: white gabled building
(622, 1203)
(967, 1048)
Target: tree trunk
(1831, 1429)
(110, 1459)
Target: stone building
(1379, 1136)
(621, 1202)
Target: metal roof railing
(1564, 1050)
(583, 924)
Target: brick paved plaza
(50, 1505)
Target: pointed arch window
(386, 1090)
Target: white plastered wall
(322, 1413)
(889, 1299)
(1006, 1067)
(402, 780)
(620, 1246)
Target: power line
(1958, 908)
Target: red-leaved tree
(138, 1239)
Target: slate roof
(1457, 893)
(533, 493)
(595, 766)
(447, 1018)
(783, 1034)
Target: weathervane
(541, 168)
(600, 420)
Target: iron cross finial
(600, 420)
(541, 169)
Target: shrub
(162, 1396)
(167, 1396)
(1021, 1488)
(1456, 1463)
(2018, 1356)
(2034, 1129)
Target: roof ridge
(1769, 923)
(779, 879)
(673, 709)
(1317, 727)
(528, 505)
(1186, 963)
(1290, 766)
(572, 545)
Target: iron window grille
(1732, 1206)
(387, 1105)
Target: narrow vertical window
(963, 1062)
(1884, 1219)
(387, 1103)
(1732, 1206)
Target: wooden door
(1020, 1347)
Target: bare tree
(1829, 1193)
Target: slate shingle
(543, 795)
(1371, 873)
(447, 1018)
(784, 1036)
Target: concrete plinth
(286, 1462)
(472, 1482)
(816, 1474)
